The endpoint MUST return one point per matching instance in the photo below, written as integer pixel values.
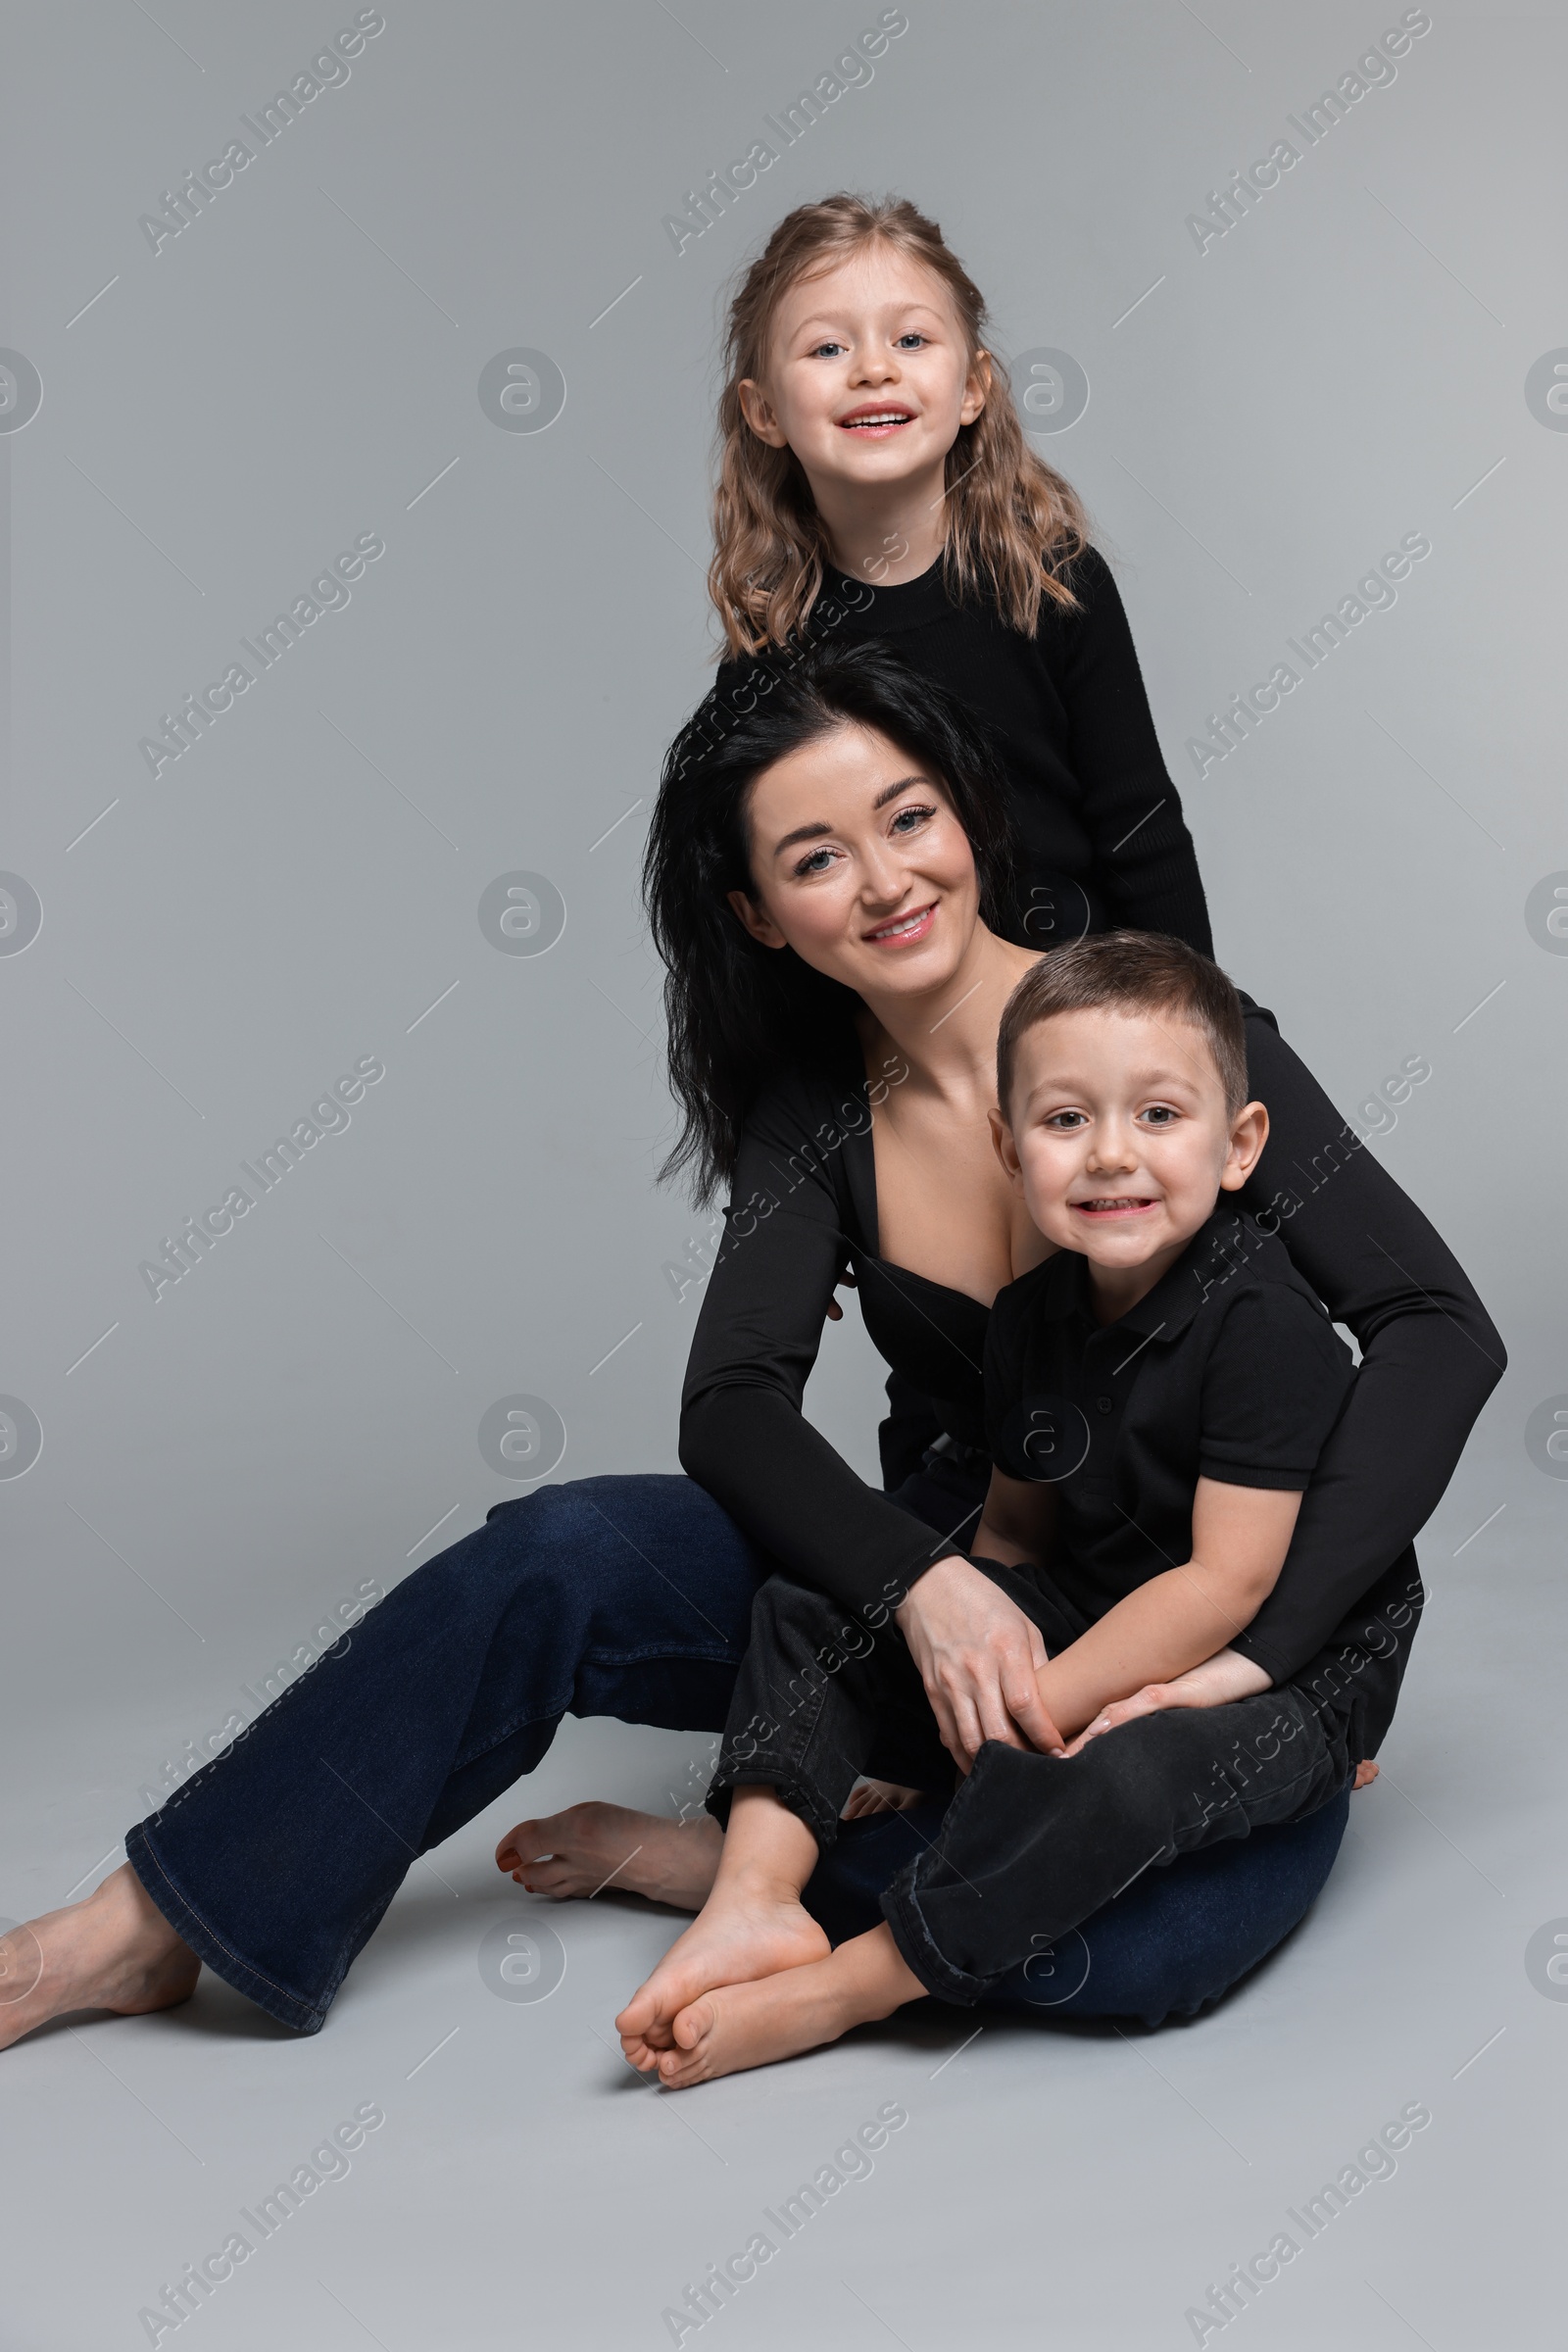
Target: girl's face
(859, 864)
(869, 375)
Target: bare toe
(594, 1845)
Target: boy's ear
(755, 921)
(1249, 1135)
(1007, 1151)
(758, 410)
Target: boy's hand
(978, 1656)
(1225, 1677)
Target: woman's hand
(978, 1656)
(1221, 1679)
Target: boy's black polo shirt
(1229, 1369)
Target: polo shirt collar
(1175, 1298)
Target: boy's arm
(1220, 1680)
(1183, 1617)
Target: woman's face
(869, 373)
(859, 864)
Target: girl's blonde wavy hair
(1011, 523)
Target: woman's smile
(903, 929)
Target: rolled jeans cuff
(901, 1908)
(769, 1769)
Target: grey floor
(1051, 2185)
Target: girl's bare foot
(113, 1952)
(880, 1796)
(737, 2025)
(592, 1845)
(753, 1927)
(1366, 1772)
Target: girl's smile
(877, 420)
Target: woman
(834, 989)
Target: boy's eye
(1067, 1122)
(1161, 1114)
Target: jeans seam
(519, 1723)
(238, 1958)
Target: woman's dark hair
(740, 1014)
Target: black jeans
(1030, 1846)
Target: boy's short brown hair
(1129, 971)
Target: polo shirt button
(1103, 1403)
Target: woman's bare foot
(750, 1927)
(737, 2025)
(592, 1845)
(113, 1952)
(1366, 1772)
(881, 1796)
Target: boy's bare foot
(737, 2025)
(1366, 1772)
(592, 1845)
(880, 1796)
(113, 1952)
(753, 1927)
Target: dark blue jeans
(621, 1596)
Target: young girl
(874, 480)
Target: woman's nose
(883, 876)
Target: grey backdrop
(1368, 352)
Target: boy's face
(1118, 1137)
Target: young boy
(1157, 1393)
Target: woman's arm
(743, 1434)
(1144, 856)
(744, 1438)
(1431, 1355)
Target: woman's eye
(908, 820)
(815, 861)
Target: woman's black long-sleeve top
(1101, 838)
(803, 1208)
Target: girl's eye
(825, 351)
(908, 820)
(911, 341)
